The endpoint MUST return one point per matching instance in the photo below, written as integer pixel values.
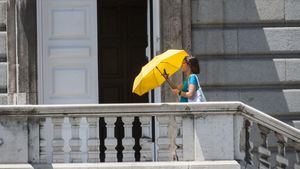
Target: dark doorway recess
(122, 36)
(122, 42)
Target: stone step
(136, 165)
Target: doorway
(122, 42)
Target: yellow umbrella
(151, 75)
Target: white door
(67, 43)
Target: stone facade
(249, 51)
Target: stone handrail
(184, 130)
(154, 109)
(124, 109)
(269, 122)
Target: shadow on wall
(243, 60)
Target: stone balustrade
(45, 134)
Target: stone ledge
(16, 166)
(240, 11)
(143, 165)
(219, 41)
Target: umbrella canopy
(151, 76)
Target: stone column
(175, 33)
(26, 52)
(11, 52)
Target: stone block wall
(249, 50)
(3, 52)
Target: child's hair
(194, 64)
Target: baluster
(93, 141)
(110, 141)
(281, 161)
(264, 152)
(43, 141)
(146, 139)
(163, 141)
(297, 152)
(57, 142)
(75, 141)
(172, 138)
(167, 139)
(128, 141)
(179, 139)
(248, 143)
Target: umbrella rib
(155, 78)
(170, 64)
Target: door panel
(122, 43)
(69, 51)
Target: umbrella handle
(171, 84)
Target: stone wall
(3, 53)
(249, 51)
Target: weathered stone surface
(3, 13)
(254, 11)
(249, 71)
(268, 40)
(292, 98)
(207, 11)
(14, 134)
(172, 36)
(26, 30)
(292, 12)
(246, 41)
(230, 41)
(293, 70)
(237, 11)
(207, 41)
(3, 77)
(222, 94)
(3, 99)
(214, 138)
(2, 45)
(271, 101)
